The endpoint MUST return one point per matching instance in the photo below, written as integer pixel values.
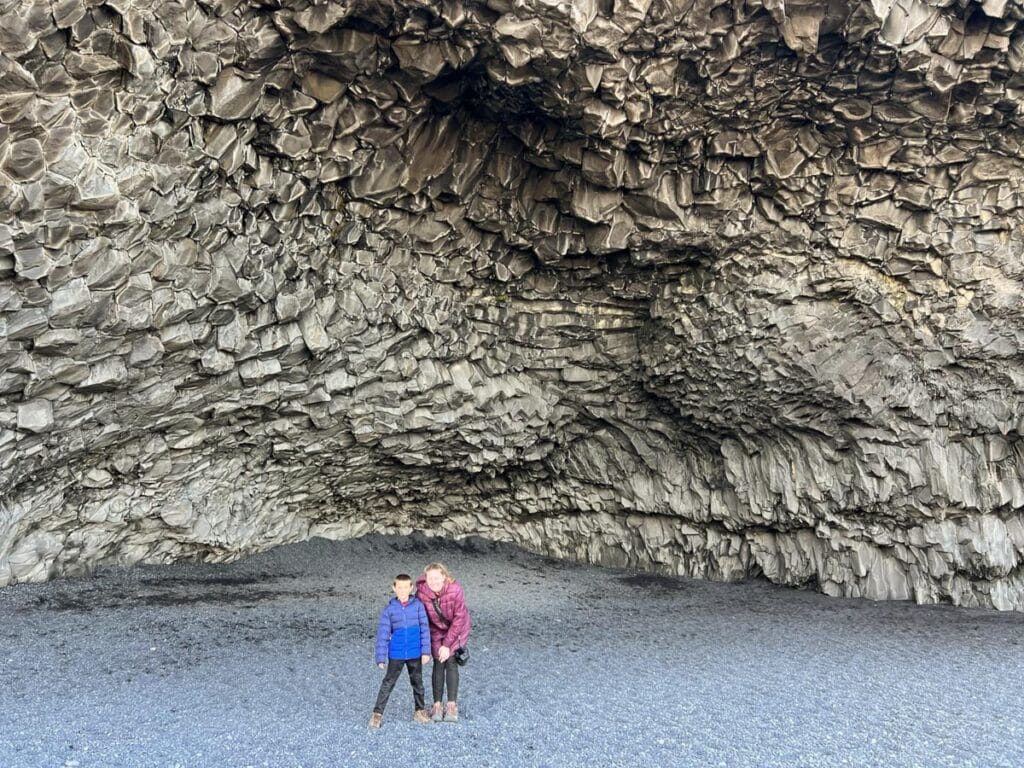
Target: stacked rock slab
(713, 289)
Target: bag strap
(437, 609)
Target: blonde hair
(438, 567)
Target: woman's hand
(425, 659)
(444, 653)
(381, 665)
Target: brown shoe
(451, 713)
(421, 716)
(375, 719)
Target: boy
(403, 640)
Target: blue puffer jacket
(403, 632)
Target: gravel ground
(268, 662)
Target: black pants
(448, 672)
(415, 667)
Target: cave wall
(723, 290)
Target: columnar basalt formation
(717, 289)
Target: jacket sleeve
(424, 632)
(383, 637)
(424, 596)
(458, 632)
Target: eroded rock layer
(718, 289)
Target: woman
(445, 602)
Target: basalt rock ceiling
(720, 289)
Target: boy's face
(402, 589)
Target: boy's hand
(425, 659)
(380, 665)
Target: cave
(718, 290)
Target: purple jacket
(453, 605)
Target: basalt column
(725, 290)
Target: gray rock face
(716, 290)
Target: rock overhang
(714, 289)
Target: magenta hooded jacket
(453, 605)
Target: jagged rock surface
(717, 289)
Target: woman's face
(435, 580)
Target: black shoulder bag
(461, 655)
